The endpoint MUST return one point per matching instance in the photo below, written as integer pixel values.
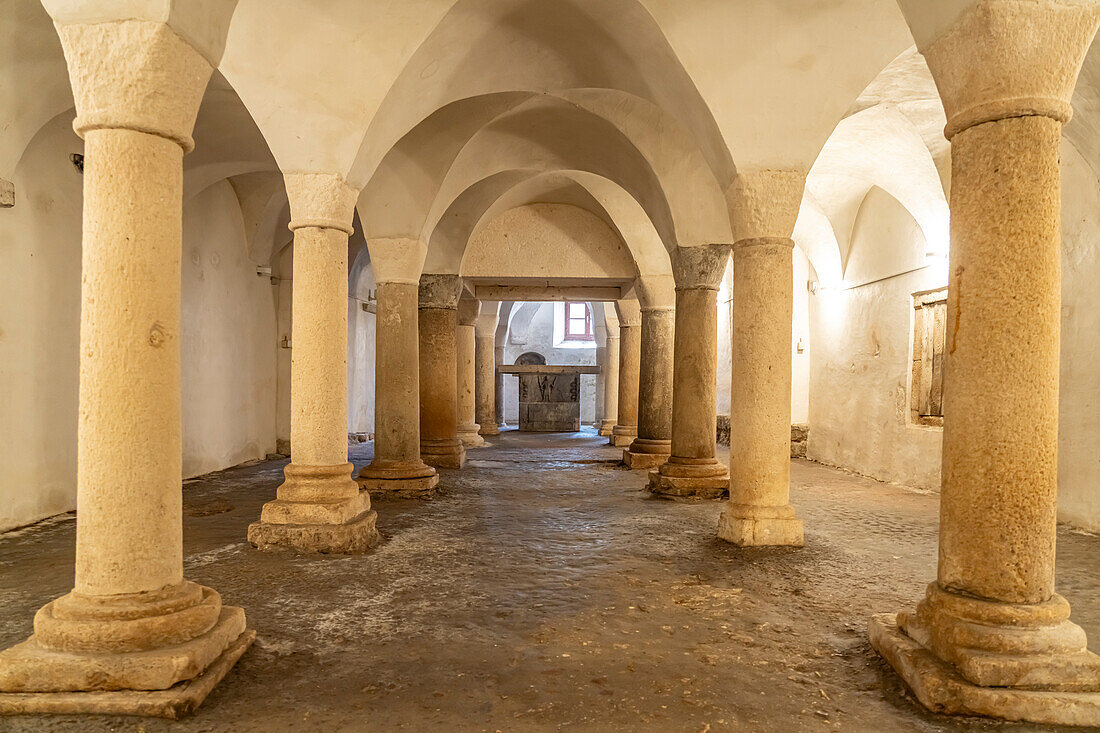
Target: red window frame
(572, 335)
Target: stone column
(610, 385)
(319, 507)
(693, 469)
(654, 442)
(630, 356)
(397, 469)
(485, 368)
(465, 374)
(498, 387)
(992, 636)
(438, 321)
(132, 623)
(764, 205)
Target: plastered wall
(858, 408)
(361, 342)
(1079, 414)
(39, 327)
(228, 338)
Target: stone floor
(547, 590)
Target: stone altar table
(549, 396)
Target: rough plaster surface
(861, 358)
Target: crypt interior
(679, 365)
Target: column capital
(439, 291)
(320, 200)
(467, 312)
(1011, 58)
(700, 268)
(764, 202)
(135, 75)
(630, 313)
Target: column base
(446, 453)
(489, 430)
(605, 428)
(341, 525)
(941, 689)
(755, 526)
(420, 487)
(993, 644)
(470, 436)
(622, 436)
(165, 682)
(688, 487)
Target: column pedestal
(318, 507)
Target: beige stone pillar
(630, 356)
(485, 368)
(498, 386)
(438, 320)
(992, 636)
(397, 469)
(610, 385)
(132, 623)
(469, 432)
(763, 208)
(318, 507)
(693, 469)
(654, 442)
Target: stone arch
(530, 357)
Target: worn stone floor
(547, 590)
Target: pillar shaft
(438, 322)
(318, 366)
(653, 444)
(630, 355)
(129, 538)
(485, 381)
(396, 466)
(610, 386)
(498, 386)
(465, 375)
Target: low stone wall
(799, 436)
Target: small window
(929, 339)
(578, 322)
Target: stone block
(421, 487)
(356, 536)
(7, 194)
(175, 702)
(760, 531)
(689, 487)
